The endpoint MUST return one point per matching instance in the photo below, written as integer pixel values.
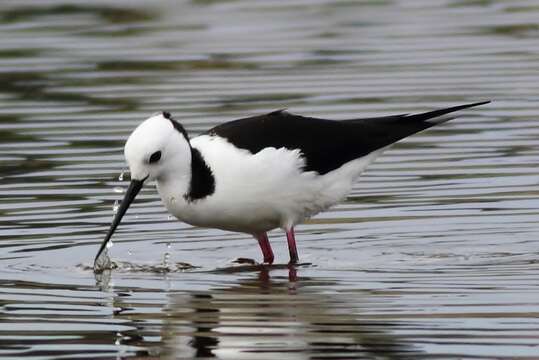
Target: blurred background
(434, 254)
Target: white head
(157, 148)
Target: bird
(262, 172)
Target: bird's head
(159, 147)
(156, 148)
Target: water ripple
(433, 255)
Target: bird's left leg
(265, 246)
(292, 249)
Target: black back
(325, 144)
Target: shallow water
(434, 254)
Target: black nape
(202, 180)
(176, 124)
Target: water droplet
(129, 252)
(109, 244)
(118, 189)
(115, 207)
(166, 257)
(121, 177)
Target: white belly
(258, 192)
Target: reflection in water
(273, 317)
(265, 315)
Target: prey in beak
(132, 191)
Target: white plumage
(255, 193)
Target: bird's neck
(202, 182)
(190, 180)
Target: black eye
(155, 157)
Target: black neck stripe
(202, 179)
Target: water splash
(103, 262)
(131, 267)
(115, 207)
(166, 256)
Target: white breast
(259, 192)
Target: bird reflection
(265, 312)
(203, 345)
(266, 315)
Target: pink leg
(265, 246)
(292, 273)
(292, 246)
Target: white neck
(174, 183)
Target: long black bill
(132, 191)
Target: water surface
(433, 255)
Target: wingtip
(480, 103)
(466, 106)
(443, 115)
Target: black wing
(326, 144)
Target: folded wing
(327, 144)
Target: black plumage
(202, 180)
(325, 144)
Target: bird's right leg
(291, 238)
(265, 246)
